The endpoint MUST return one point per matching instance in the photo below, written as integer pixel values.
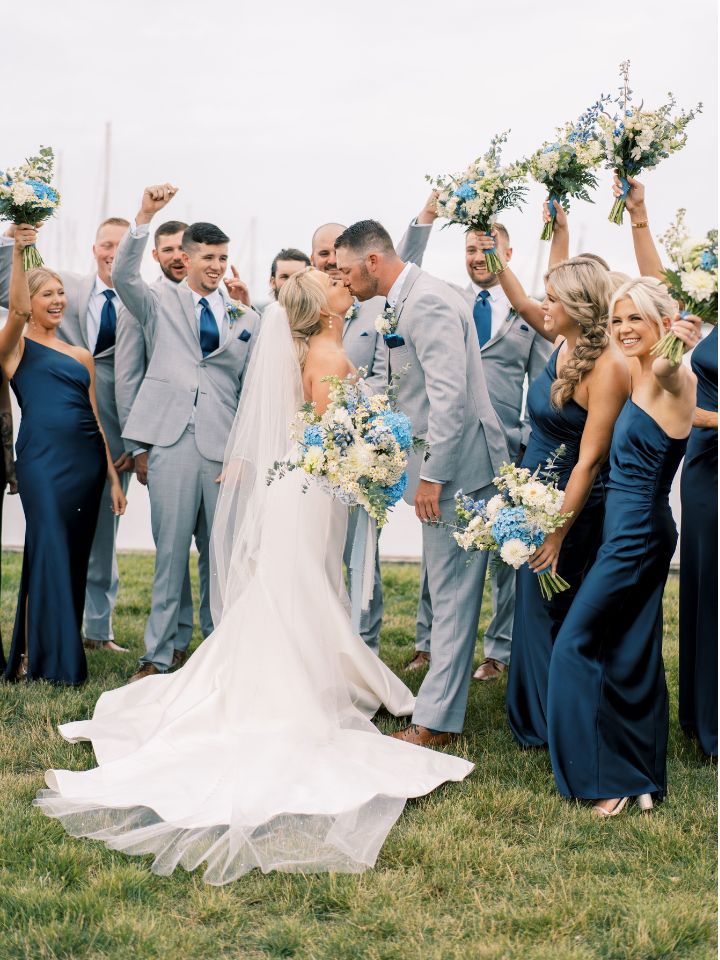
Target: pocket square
(245, 335)
(364, 334)
(393, 340)
(523, 327)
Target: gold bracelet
(640, 225)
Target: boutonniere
(235, 310)
(386, 324)
(352, 312)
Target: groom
(433, 346)
(186, 405)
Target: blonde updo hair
(651, 298)
(303, 298)
(39, 276)
(584, 289)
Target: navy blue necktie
(108, 320)
(209, 334)
(482, 315)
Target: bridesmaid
(62, 463)
(574, 402)
(607, 698)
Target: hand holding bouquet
(565, 166)
(26, 196)
(515, 522)
(475, 197)
(692, 279)
(635, 139)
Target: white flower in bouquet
(314, 460)
(516, 553)
(494, 505)
(698, 284)
(533, 494)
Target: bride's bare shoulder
(325, 362)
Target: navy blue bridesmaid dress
(3, 482)
(699, 562)
(607, 697)
(61, 469)
(537, 621)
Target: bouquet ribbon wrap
(362, 567)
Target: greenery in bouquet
(27, 196)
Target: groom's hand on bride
(154, 198)
(427, 501)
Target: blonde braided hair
(303, 297)
(584, 289)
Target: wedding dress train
(260, 751)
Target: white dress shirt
(499, 304)
(394, 291)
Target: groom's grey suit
(443, 391)
(184, 412)
(103, 581)
(133, 349)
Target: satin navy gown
(3, 482)
(607, 697)
(537, 621)
(699, 562)
(61, 469)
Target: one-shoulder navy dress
(537, 621)
(61, 471)
(607, 697)
(699, 562)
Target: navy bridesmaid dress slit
(537, 621)
(699, 562)
(607, 697)
(61, 471)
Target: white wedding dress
(260, 751)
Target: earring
(330, 323)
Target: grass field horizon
(498, 867)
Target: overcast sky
(292, 114)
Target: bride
(260, 751)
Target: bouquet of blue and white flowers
(26, 196)
(693, 280)
(475, 197)
(634, 139)
(358, 447)
(515, 522)
(565, 166)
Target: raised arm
(19, 308)
(415, 239)
(560, 243)
(646, 254)
(676, 378)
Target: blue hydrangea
(511, 524)
(466, 191)
(395, 492)
(401, 429)
(313, 437)
(708, 260)
(42, 191)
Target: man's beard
(170, 276)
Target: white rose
(382, 325)
(699, 284)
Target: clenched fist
(154, 199)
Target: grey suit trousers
(455, 589)
(183, 496)
(103, 579)
(371, 620)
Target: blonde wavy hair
(39, 276)
(584, 289)
(651, 298)
(303, 298)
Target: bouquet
(565, 167)
(515, 522)
(26, 196)
(358, 447)
(692, 279)
(637, 139)
(476, 196)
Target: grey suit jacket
(442, 388)
(178, 379)
(133, 348)
(365, 346)
(515, 353)
(73, 330)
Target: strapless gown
(607, 697)
(699, 562)
(259, 752)
(61, 470)
(537, 621)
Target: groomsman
(443, 391)
(133, 350)
(90, 321)
(512, 355)
(186, 404)
(285, 264)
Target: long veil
(272, 393)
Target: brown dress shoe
(422, 736)
(419, 661)
(489, 669)
(146, 670)
(179, 657)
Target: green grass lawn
(496, 867)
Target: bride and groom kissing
(274, 761)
